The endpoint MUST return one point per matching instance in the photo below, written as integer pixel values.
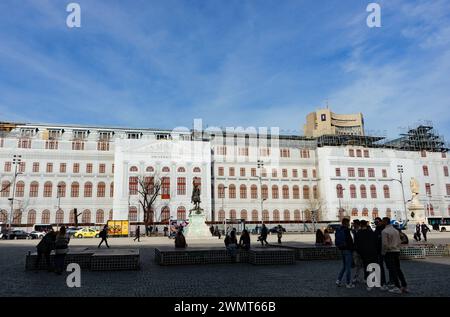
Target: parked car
(87, 233)
(71, 230)
(16, 234)
(332, 227)
(37, 235)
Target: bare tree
(149, 190)
(316, 206)
(5, 187)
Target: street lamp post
(429, 201)
(225, 215)
(260, 164)
(17, 159)
(400, 171)
(340, 214)
(59, 204)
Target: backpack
(339, 239)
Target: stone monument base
(419, 213)
(197, 228)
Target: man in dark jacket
(380, 259)
(417, 234)
(44, 248)
(424, 228)
(263, 236)
(366, 246)
(346, 246)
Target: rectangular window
(181, 186)
(423, 153)
(338, 172)
(371, 172)
(76, 168)
(274, 172)
(221, 171)
(444, 155)
(351, 153)
(295, 173)
(51, 145)
(285, 153)
(62, 167)
(242, 171)
(35, 167)
(102, 168)
(253, 171)
(133, 185)
(358, 153)
(264, 151)
(304, 153)
(305, 173)
(165, 188)
(361, 172)
(366, 153)
(351, 172)
(448, 189)
(102, 146)
(384, 173)
(446, 171)
(49, 168)
(314, 172)
(222, 150)
(8, 166)
(89, 168)
(284, 172)
(22, 167)
(243, 151)
(231, 171)
(24, 144)
(77, 145)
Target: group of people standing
(57, 241)
(360, 246)
(421, 230)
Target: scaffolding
(420, 138)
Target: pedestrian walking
(217, 232)
(366, 246)
(417, 233)
(279, 233)
(391, 250)
(211, 229)
(263, 237)
(137, 234)
(104, 236)
(61, 249)
(424, 229)
(344, 242)
(44, 248)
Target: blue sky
(142, 63)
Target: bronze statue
(195, 198)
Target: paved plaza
(429, 277)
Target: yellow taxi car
(87, 233)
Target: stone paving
(429, 277)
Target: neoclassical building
(47, 171)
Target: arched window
(388, 212)
(165, 169)
(287, 215)
(101, 189)
(276, 215)
(59, 217)
(265, 215)
(285, 191)
(31, 219)
(5, 189)
(111, 190)
(181, 170)
(243, 192)
(100, 216)
(20, 188)
(132, 213)
(197, 170)
(48, 186)
(274, 192)
(221, 191)
(221, 215)
(149, 169)
(363, 191)
(3, 216)
(315, 192)
(374, 213)
(61, 190)
(264, 192)
(386, 191)
(373, 191)
(88, 189)
(254, 191)
(71, 217)
(297, 215)
(232, 191)
(352, 191)
(339, 191)
(181, 213)
(244, 214)
(133, 169)
(255, 215)
(75, 189)
(305, 192)
(425, 170)
(296, 192)
(34, 189)
(86, 216)
(165, 214)
(354, 212)
(45, 217)
(365, 212)
(17, 217)
(233, 214)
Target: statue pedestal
(419, 211)
(197, 228)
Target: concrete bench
(256, 256)
(92, 259)
(305, 252)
